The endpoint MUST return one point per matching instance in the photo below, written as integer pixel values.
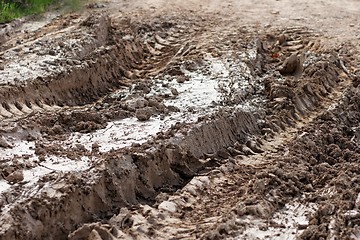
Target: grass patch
(10, 10)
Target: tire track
(229, 201)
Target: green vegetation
(10, 10)
(13, 9)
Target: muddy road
(183, 120)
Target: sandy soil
(182, 120)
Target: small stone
(144, 114)
(174, 91)
(352, 25)
(2, 67)
(291, 65)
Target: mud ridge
(309, 77)
(108, 60)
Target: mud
(137, 122)
(121, 178)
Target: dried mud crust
(219, 176)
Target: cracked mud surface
(211, 120)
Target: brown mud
(146, 121)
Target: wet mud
(177, 126)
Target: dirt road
(182, 120)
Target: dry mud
(147, 123)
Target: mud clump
(15, 177)
(292, 65)
(144, 114)
(80, 122)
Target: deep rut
(117, 59)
